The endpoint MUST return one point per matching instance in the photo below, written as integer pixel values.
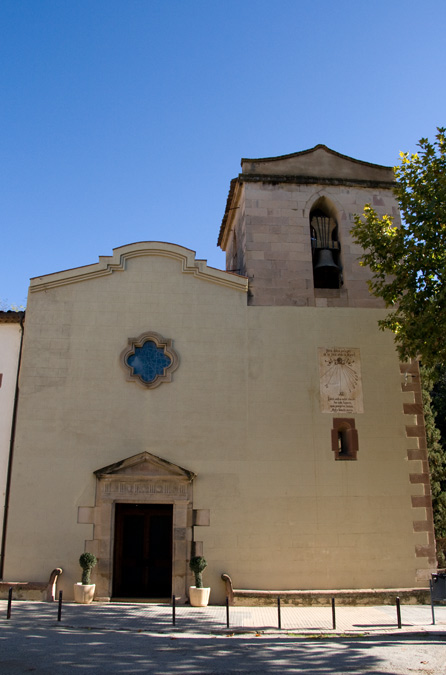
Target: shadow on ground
(57, 650)
(33, 643)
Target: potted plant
(198, 596)
(84, 591)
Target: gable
(145, 464)
(117, 262)
(318, 162)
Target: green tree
(437, 464)
(408, 263)
(439, 401)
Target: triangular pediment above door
(145, 464)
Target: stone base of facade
(343, 598)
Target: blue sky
(124, 120)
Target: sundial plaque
(340, 380)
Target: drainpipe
(11, 451)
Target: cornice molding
(315, 180)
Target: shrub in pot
(84, 591)
(198, 595)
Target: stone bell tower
(287, 227)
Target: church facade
(256, 416)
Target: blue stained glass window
(149, 361)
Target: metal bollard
(59, 609)
(398, 611)
(333, 613)
(8, 611)
(432, 601)
(278, 613)
(173, 610)
(227, 612)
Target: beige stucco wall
(242, 412)
(302, 520)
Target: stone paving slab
(158, 618)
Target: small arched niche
(344, 439)
(325, 245)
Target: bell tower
(287, 227)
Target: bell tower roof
(318, 162)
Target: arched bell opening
(325, 246)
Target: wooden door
(143, 551)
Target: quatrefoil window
(149, 359)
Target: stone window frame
(161, 343)
(344, 439)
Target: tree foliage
(439, 401)
(6, 306)
(408, 263)
(437, 461)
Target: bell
(325, 259)
(327, 273)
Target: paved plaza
(140, 638)
(213, 620)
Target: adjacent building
(11, 330)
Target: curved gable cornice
(117, 263)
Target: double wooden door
(143, 551)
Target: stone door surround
(141, 479)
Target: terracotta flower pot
(84, 593)
(199, 597)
